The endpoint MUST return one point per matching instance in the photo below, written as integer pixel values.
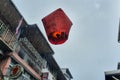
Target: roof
(68, 72)
(10, 15)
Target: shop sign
(16, 71)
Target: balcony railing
(7, 36)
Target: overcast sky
(92, 47)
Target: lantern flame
(56, 34)
(57, 37)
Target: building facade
(27, 54)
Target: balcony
(6, 37)
(34, 58)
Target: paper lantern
(57, 26)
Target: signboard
(16, 71)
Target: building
(27, 54)
(113, 75)
(119, 33)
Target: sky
(92, 47)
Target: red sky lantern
(57, 26)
